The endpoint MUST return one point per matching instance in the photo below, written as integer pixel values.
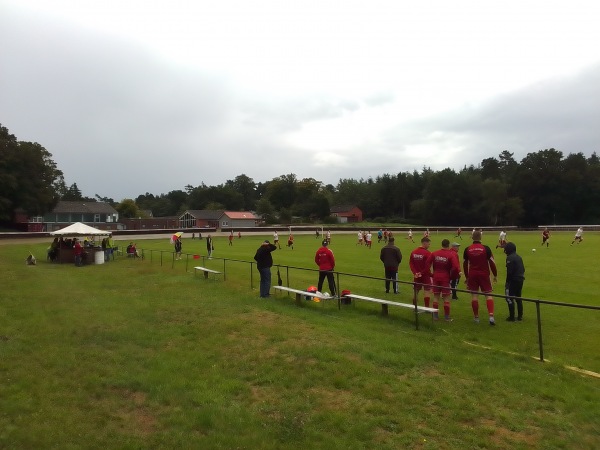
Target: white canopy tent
(80, 229)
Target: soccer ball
(533, 250)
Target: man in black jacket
(391, 257)
(264, 262)
(515, 275)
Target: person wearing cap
(264, 262)
(391, 257)
(454, 281)
(445, 267)
(478, 262)
(326, 261)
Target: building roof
(64, 206)
(206, 214)
(240, 215)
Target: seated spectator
(132, 250)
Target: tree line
(545, 187)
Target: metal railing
(171, 259)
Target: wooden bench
(386, 303)
(206, 271)
(299, 294)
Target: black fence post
(539, 326)
(416, 309)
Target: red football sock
(490, 306)
(475, 306)
(436, 305)
(427, 301)
(447, 308)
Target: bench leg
(384, 310)
(298, 299)
(206, 275)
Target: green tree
(127, 208)
(29, 178)
(73, 193)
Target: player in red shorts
(546, 237)
(478, 261)
(421, 273)
(445, 268)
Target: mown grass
(133, 354)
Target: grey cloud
(380, 98)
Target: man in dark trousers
(515, 275)
(264, 262)
(326, 261)
(391, 257)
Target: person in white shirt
(501, 239)
(578, 236)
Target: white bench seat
(206, 271)
(299, 294)
(385, 303)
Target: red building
(347, 214)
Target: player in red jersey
(546, 237)
(421, 273)
(458, 233)
(445, 268)
(478, 261)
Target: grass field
(135, 354)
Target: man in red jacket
(421, 273)
(478, 261)
(445, 268)
(326, 261)
(78, 252)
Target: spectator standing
(77, 252)
(515, 276)
(420, 271)
(231, 238)
(178, 247)
(264, 262)
(209, 246)
(326, 261)
(478, 262)
(445, 267)
(454, 281)
(391, 257)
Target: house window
(37, 219)
(224, 223)
(96, 217)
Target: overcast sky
(150, 96)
